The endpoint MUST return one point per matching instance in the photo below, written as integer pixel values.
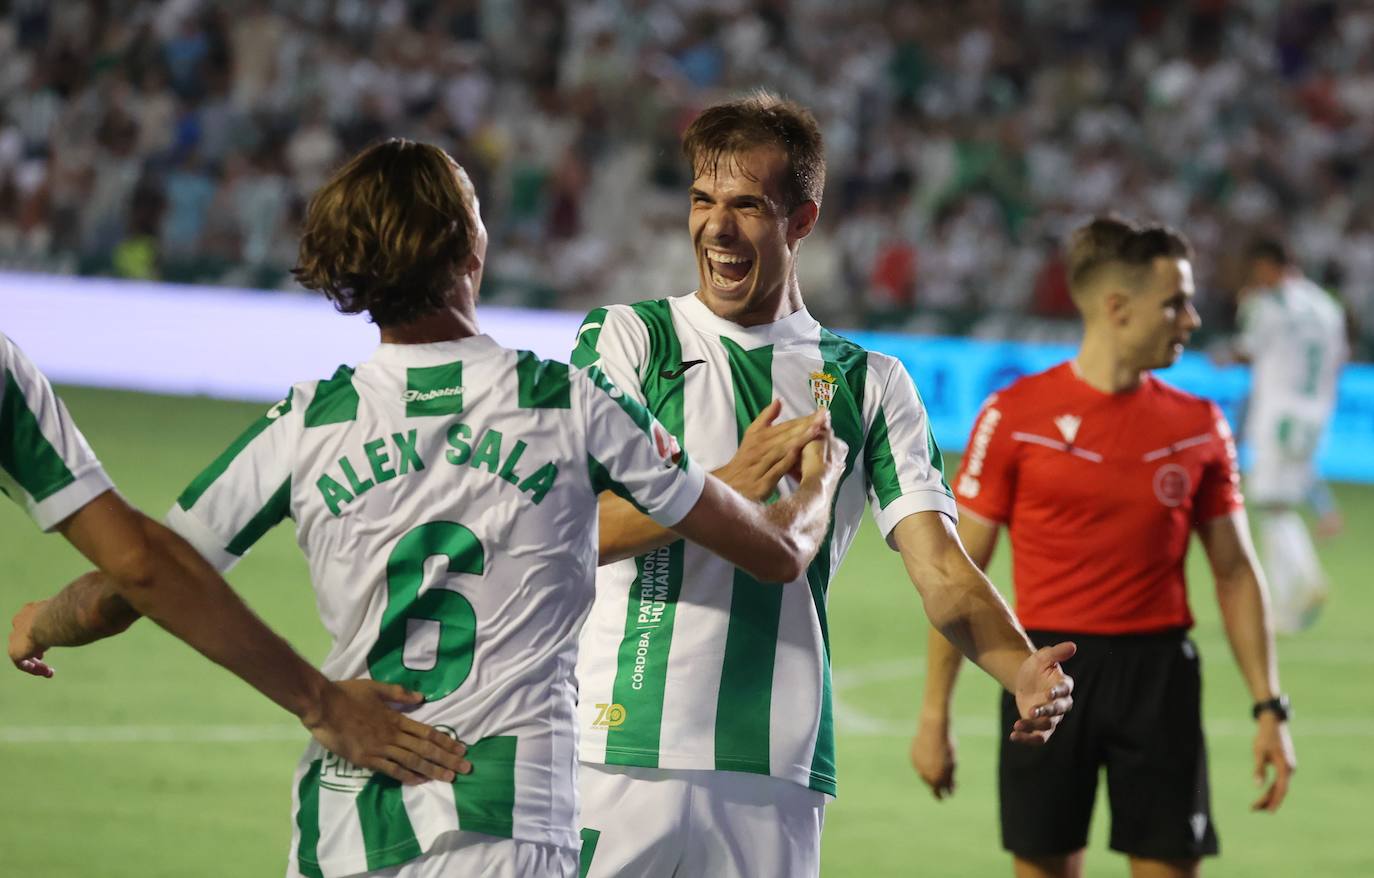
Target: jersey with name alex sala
(45, 464)
(1100, 493)
(1294, 335)
(687, 662)
(445, 497)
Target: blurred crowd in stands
(180, 139)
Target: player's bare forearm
(959, 600)
(90, 608)
(943, 662)
(766, 453)
(625, 532)
(1241, 596)
(772, 543)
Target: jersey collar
(798, 324)
(433, 354)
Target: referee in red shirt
(1100, 473)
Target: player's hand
(1273, 748)
(823, 457)
(25, 652)
(934, 755)
(357, 721)
(767, 452)
(1044, 693)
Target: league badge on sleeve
(822, 389)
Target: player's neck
(450, 324)
(1102, 369)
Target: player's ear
(1116, 304)
(802, 220)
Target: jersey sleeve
(616, 342)
(1218, 491)
(986, 482)
(46, 466)
(633, 455)
(903, 464)
(244, 492)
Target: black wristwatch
(1278, 706)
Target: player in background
(445, 492)
(49, 469)
(1101, 472)
(1293, 334)
(708, 729)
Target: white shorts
(1281, 468)
(697, 824)
(475, 853)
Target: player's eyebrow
(699, 194)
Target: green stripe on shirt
(642, 658)
(543, 384)
(745, 701)
(335, 401)
(388, 835)
(308, 822)
(485, 799)
(25, 453)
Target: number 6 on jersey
(405, 571)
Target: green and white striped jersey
(45, 464)
(1294, 335)
(686, 661)
(445, 497)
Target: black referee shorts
(1138, 712)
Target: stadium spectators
(179, 138)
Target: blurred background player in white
(444, 493)
(1293, 333)
(47, 467)
(707, 721)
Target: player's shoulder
(1182, 404)
(1029, 393)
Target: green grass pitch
(142, 759)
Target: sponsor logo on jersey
(609, 716)
(1068, 426)
(1199, 824)
(823, 389)
(969, 486)
(337, 773)
(681, 370)
(1172, 484)
(427, 395)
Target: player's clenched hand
(1273, 747)
(933, 755)
(824, 456)
(25, 652)
(767, 452)
(1043, 694)
(358, 722)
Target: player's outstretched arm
(767, 451)
(772, 543)
(1242, 596)
(933, 749)
(161, 576)
(968, 611)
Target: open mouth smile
(728, 270)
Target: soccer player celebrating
(445, 492)
(707, 721)
(47, 466)
(1101, 472)
(1293, 334)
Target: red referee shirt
(1100, 493)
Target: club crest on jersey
(822, 389)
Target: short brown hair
(389, 233)
(762, 119)
(1114, 242)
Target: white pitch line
(118, 734)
